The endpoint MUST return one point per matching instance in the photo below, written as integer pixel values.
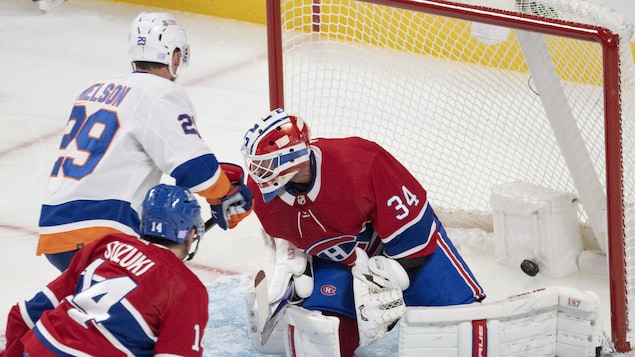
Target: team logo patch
(338, 249)
(328, 290)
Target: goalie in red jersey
(362, 240)
(121, 295)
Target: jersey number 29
(91, 137)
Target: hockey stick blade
(262, 297)
(273, 320)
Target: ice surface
(50, 58)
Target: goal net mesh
(466, 105)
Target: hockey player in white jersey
(122, 135)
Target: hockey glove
(378, 285)
(237, 203)
(290, 263)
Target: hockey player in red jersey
(364, 222)
(121, 295)
(122, 135)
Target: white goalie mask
(275, 149)
(154, 36)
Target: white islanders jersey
(120, 137)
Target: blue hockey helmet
(171, 212)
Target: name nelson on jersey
(112, 94)
(128, 257)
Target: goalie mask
(275, 149)
(170, 212)
(154, 36)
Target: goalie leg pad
(545, 322)
(311, 334)
(579, 327)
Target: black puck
(530, 268)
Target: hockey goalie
(335, 200)
(358, 250)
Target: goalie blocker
(555, 321)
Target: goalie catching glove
(237, 203)
(378, 286)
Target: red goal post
(471, 96)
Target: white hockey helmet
(275, 149)
(154, 36)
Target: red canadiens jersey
(360, 193)
(120, 296)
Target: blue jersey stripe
(85, 210)
(195, 171)
(48, 344)
(37, 305)
(417, 235)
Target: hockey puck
(530, 268)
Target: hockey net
(469, 95)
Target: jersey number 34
(397, 202)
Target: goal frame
(609, 42)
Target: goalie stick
(269, 320)
(262, 297)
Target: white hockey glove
(378, 286)
(290, 263)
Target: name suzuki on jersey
(128, 257)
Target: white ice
(50, 58)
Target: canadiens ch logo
(338, 249)
(328, 290)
